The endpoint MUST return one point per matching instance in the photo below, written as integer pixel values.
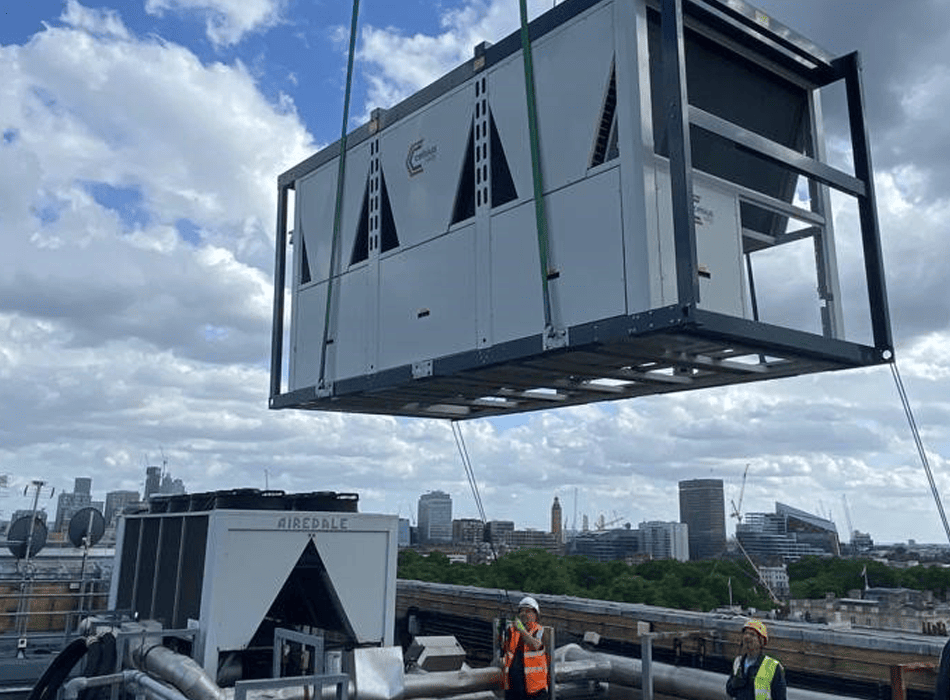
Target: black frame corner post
(849, 68)
(280, 277)
(676, 104)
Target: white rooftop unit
(447, 291)
(238, 565)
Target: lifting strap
(539, 210)
(338, 206)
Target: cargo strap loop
(338, 206)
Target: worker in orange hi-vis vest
(526, 664)
(756, 676)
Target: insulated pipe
(440, 683)
(179, 670)
(672, 680)
(152, 687)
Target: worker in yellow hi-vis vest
(755, 675)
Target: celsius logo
(418, 156)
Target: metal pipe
(152, 687)
(672, 680)
(179, 670)
(439, 683)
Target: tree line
(693, 585)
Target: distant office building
(116, 502)
(498, 531)
(435, 517)
(606, 545)
(556, 520)
(158, 482)
(895, 609)
(172, 487)
(69, 504)
(153, 481)
(787, 535)
(776, 578)
(405, 533)
(467, 530)
(532, 539)
(703, 510)
(660, 540)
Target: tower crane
(847, 516)
(737, 507)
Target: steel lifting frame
(681, 115)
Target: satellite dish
(19, 533)
(86, 527)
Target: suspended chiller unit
(678, 151)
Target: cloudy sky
(140, 142)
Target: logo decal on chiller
(418, 156)
(312, 523)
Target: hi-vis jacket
(763, 680)
(535, 662)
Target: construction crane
(602, 523)
(847, 517)
(737, 507)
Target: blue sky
(140, 143)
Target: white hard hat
(529, 602)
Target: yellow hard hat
(759, 627)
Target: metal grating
(651, 353)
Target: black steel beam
(676, 106)
(777, 153)
(850, 68)
(280, 270)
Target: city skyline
(140, 149)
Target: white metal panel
(508, 106)
(308, 312)
(421, 159)
(427, 300)
(586, 249)
(313, 224)
(349, 354)
(315, 205)
(244, 572)
(250, 555)
(517, 308)
(718, 243)
(635, 137)
(353, 560)
(572, 71)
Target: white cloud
(398, 62)
(96, 21)
(124, 332)
(226, 21)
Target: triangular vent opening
(605, 143)
(307, 598)
(389, 237)
(304, 261)
(502, 185)
(361, 242)
(465, 192)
